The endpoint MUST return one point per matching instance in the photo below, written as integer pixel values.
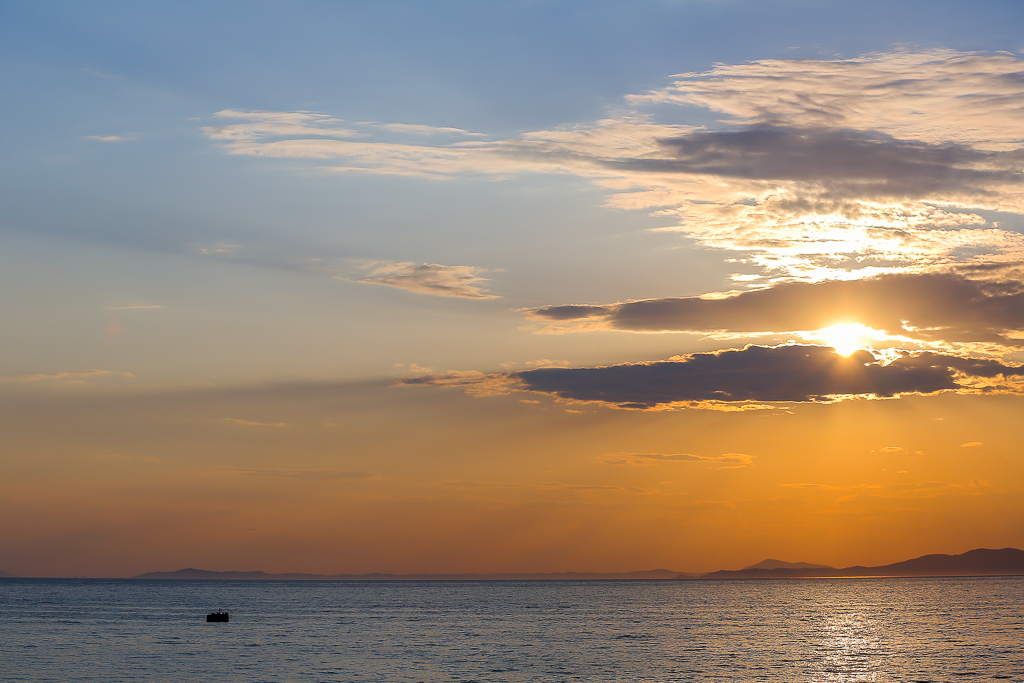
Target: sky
(523, 286)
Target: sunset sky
(524, 286)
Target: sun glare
(846, 339)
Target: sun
(846, 339)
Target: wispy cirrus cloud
(545, 486)
(56, 375)
(471, 381)
(117, 457)
(418, 129)
(322, 474)
(726, 460)
(251, 423)
(466, 282)
(264, 125)
(260, 125)
(431, 278)
(216, 249)
(921, 489)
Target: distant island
(779, 564)
(979, 562)
(193, 574)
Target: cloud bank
(902, 93)
(792, 373)
(861, 191)
(781, 374)
(815, 169)
(930, 307)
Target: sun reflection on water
(849, 649)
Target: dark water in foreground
(811, 630)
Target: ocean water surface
(948, 629)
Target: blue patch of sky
(498, 66)
(154, 72)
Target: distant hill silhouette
(779, 564)
(979, 562)
(5, 575)
(204, 574)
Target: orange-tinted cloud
(431, 278)
(249, 423)
(931, 307)
(58, 374)
(904, 94)
(641, 459)
(924, 489)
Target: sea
(878, 629)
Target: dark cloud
(873, 162)
(759, 373)
(930, 307)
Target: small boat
(217, 616)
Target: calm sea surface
(811, 630)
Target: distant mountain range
(980, 562)
(554, 576)
(779, 564)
